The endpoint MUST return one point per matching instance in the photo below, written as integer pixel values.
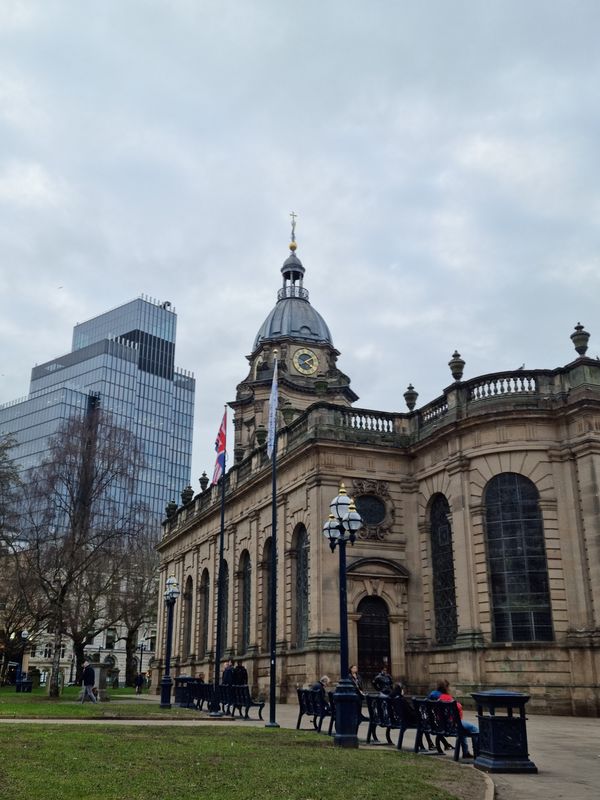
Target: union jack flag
(220, 446)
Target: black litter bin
(502, 732)
(182, 691)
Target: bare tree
(136, 602)
(78, 509)
(9, 484)
(90, 608)
(14, 617)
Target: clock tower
(297, 335)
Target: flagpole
(215, 706)
(272, 723)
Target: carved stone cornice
(458, 464)
(560, 454)
(409, 485)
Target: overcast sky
(442, 156)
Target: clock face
(305, 361)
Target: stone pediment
(377, 568)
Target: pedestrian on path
(89, 678)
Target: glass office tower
(125, 357)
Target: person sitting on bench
(443, 693)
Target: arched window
(300, 550)
(265, 620)
(442, 559)
(203, 614)
(516, 555)
(188, 596)
(224, 603)
(244, 589)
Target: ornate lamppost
(22, 666)
(142, 648)
(342, 526)
(171, 594)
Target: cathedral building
(479, 555)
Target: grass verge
(131, 763)
(38, 705)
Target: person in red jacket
(442, 692)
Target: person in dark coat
(383, 681)
(227, 677)
(240, 675)
(88, 680)
(139, 683)
(320, 687)
(356, 679)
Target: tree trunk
(79, 652)
(54, 689)
(130, 671)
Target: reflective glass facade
(126, 357)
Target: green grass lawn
(38, 704)
(131, 763)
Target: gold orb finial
(293, 246)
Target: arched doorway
(373, 631)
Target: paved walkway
(566, 750)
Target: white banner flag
(273, 402)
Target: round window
(371, 509)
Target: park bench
(226, 698)
(389, 713)
(242, 699)
(204, 693)
(440, 718)
(311, 704)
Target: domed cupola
(296, 338)
(293, 315)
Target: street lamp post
(171, 594)
(21, 671)
(142, 648)
(342, 526)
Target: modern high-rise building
(125, 360)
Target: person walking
(139, 683)
(383, 681)
(227, 677)
(240, 675)
(88, 680)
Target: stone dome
(293, 315)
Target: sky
(442, 157)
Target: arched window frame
(442, 562)
(224, 601)
(188, 601)
(265, 621)
(244, 601)
(516, 560)
(300, 608)
(203, 613)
